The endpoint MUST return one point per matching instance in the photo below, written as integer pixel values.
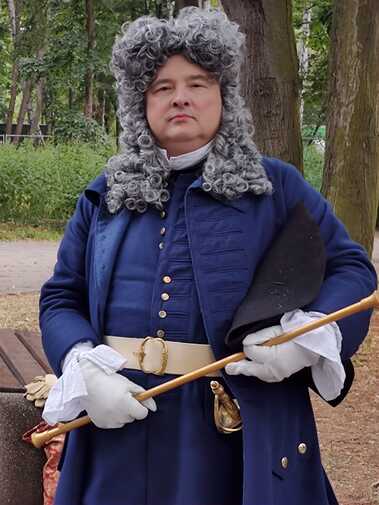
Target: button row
(166, 279)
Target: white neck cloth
(188, 159)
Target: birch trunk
(12, 100)
(14, 23)
(26, 94)
(303, 50)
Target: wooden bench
(21, 359)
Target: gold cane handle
(372, 301)
(40, 439)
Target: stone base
(20, 463)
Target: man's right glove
(110, 402)
(90, 382)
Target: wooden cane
(372, 301)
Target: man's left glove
(319, 349)
(271, 364)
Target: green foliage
(32, 68)
(74, 126)
(315, 81)
(313, 166)
(42, 184)
(5, 61)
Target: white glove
(90, 382)
(271, 364)
(319, 349)
(110, 402)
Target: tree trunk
(36, 119)
(40, 89)
(89, 84)
(13, 16)
(270, 83)
(12, 100)
(352, 156)
(26, 94)
(179, 4)
(99, 107)
(14, 23)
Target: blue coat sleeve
(64, 310)
(349, 275)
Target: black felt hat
(289, 277)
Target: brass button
(161, 245)
(167, 279)
(163, 231)
(284, 462)
(161, 333)
(302, 448)
(163, 214)
(165, 296)
(162, 314)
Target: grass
(19, 231)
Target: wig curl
(138, 176)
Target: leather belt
(157, 356)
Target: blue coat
(227, 241)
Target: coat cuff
(64, 400)
(328, 373)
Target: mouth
(180, 117)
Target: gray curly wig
(138, 175)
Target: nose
(180, 97)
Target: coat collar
(241, 204)
(96, 190)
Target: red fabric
(53, 450)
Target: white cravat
(188, 159)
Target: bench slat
(21, 357)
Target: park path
(349, 434)
(25, 265)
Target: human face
(183, 106)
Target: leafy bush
(42, 184)
(74, 126)
(38, 185)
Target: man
(166, 245)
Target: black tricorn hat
(289, 277)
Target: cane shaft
(372, 301)
(39, 439)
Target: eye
(162, 89)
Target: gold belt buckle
(141, 355)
